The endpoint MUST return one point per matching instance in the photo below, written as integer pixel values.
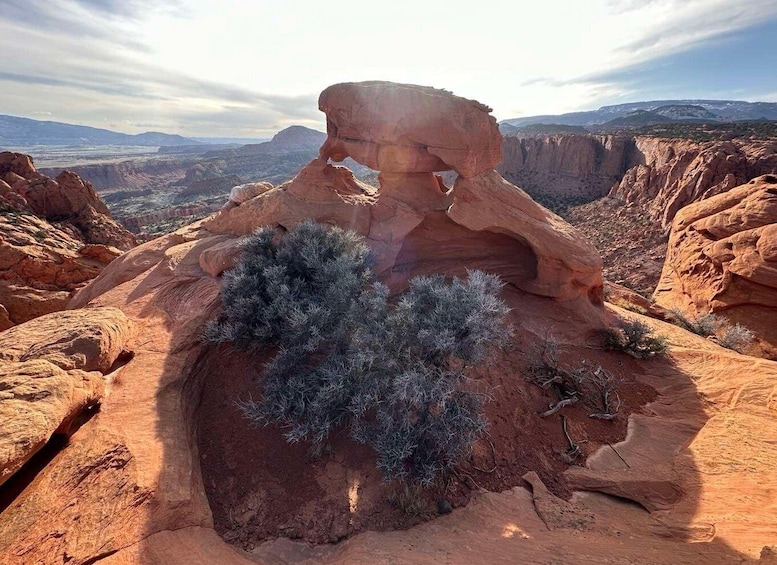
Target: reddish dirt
(632, 245)
(260, 487)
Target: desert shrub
(704, 325)
(343, 354)
(736, 337)
(634, 338)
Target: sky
(240, 68)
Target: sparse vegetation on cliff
(392, 373)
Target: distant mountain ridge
(672, 110)
(24, 132)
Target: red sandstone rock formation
(397, 128)
(128, 488)
(55, 235)
(51, 370)
(722, 258)
(675, 173)
(658, 175)
(378, 125)
(66, 199)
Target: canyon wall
(659, 175)
(674, 173)
(128, 174)
(575, 167)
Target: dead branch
(493, 458)
(573, 451)
(558, 406)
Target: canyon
(127, 445)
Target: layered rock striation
(55, 235)
(657, 175)
(672, 174)
(567, 167)
(128, 487)
(722, 258)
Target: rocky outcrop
(377, 124)
(51, 370)
(128, 488)
(672, 174)
(54, 237)
(66, 199)
(722, 258)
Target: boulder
(408, 129)
(721, 259)
(243, 192)
(51, 370)
(37, 400)
(90, 339)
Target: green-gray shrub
(736, 337)
(704, 325)
(634, 338)
(392, 373)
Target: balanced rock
(407, 128)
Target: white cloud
(248, 68)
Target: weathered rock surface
(66, 199)
(567, 265)
(671, 174)
(127, 488)
(54, 237)
(51, 370)
(74, 339)
(657, 176)
(41, 265)
(722, 258)
(397, 128)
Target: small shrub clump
(634, 338)
(344, 354)
(704, 325)
(736, 337)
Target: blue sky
(237, 68)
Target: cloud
(93, 80)
(188, 65)
(729, 65)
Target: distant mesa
(672, 110)
(24, 132)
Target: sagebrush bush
(393, 373)
(634, 338)
(704, 325)
(736, 337)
